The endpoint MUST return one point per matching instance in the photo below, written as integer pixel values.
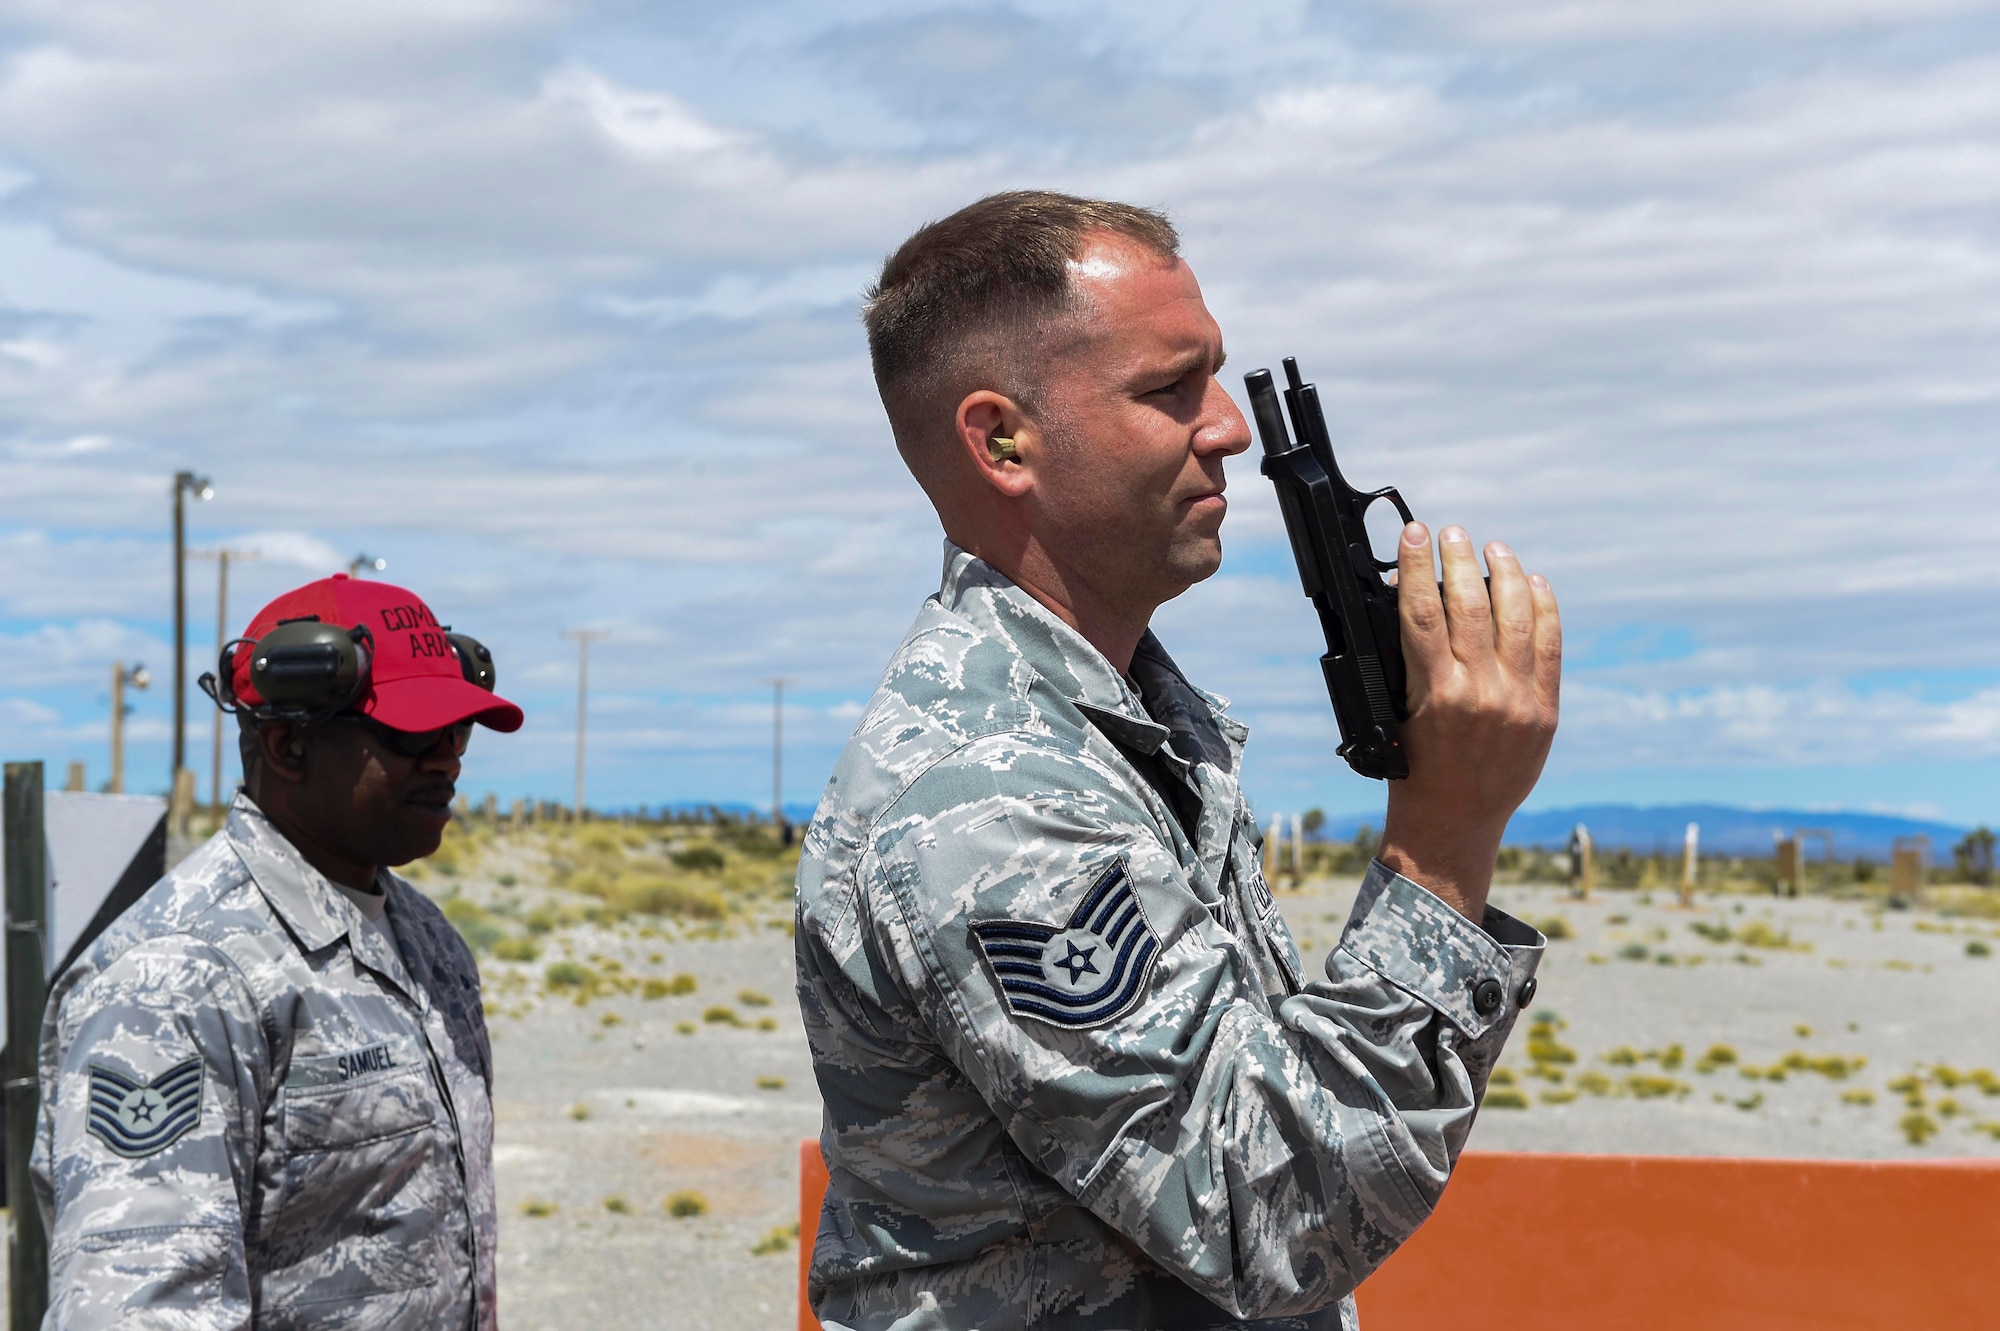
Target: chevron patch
(137, 1118)
(1085, 972)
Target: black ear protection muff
(474, 659)
(304, 670)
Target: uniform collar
(1050, 648)
(1198, 722)
(1195, 721)
(316, 913)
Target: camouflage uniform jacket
(255, 1113)
(1074, 1072)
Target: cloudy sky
(553, 306)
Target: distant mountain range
(798, 815)
(1725, 830)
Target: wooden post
(1789, 876)
(1690, 862)
(180, 809)
(1908, 859)
(1904, 868)
(77, 782)
(1582, 863)
(27, 902)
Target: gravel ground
(668, 1112)
(591, 1115)
(609, 1107)
(1859, 982)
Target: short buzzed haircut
(960, 302)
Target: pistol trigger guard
(1402, 509)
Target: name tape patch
(1089, 970)
(346, 1065)
(1260, 893)
(138, 1117)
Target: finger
(1426, 642)
(1513, 610)
(1466, 607)
(1548, 644)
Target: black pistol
(1357, 608)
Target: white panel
(92, 839)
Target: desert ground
(654, 1086)
(639, 1061)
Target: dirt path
(593, 1118)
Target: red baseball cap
(416, 683)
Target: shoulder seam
(187, 926)
(889, 805)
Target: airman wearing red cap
(268, 1086)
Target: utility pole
(185, 483)
(582, 638)
(138, 677)
(222, 557)
(778, 755)
(27, 914)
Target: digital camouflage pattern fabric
(1074, 1072)
(257, 1113)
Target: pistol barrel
(1270, 417)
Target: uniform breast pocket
(360, 1192)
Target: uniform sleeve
(147, 1139)
(1271, 1161)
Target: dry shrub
(658, 895)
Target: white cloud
(648, 123)
(20, 714)
(61, 653)
(1558, 20)
(1765, 725)
(739, 296)
(303, 550)
(554, 307)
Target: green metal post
(27, 899)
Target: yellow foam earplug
(1000, 447)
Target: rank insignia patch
(136, 1118)
(1082, 973)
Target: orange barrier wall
(812, 1191)
(1661, 1243)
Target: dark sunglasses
(411, 743)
